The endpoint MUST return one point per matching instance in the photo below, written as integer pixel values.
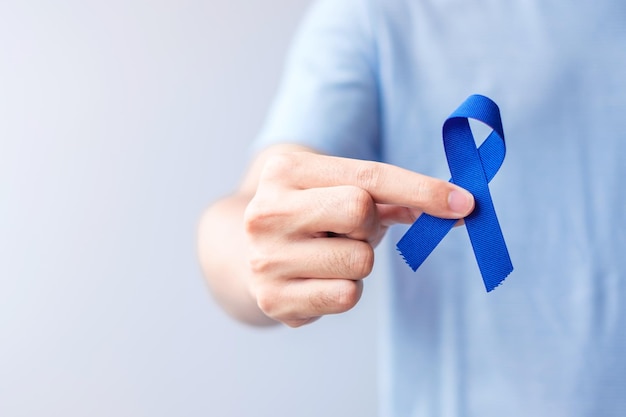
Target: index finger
(387, 184)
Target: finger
(343, 210)
(299, 301)
(386, 183)
(324, 258)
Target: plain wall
(119, 122)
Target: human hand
(314, 222)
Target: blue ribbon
(472, 169)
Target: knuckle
(348, 295)
(279, 165)
(251, 217)
(423, 192)
(260, 264)
(260, 217)
(360, 205)
(267, 300)
(254, 218)
(368, 175)
(361, 259)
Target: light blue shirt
(376, 79)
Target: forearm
(222, 254)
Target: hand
(314, 221)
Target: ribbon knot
(471, 168)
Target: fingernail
(460, 202)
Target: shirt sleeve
(328, 98)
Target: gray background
(119, 122)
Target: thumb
(390, 215)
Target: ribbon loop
(471, 168)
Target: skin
(296, 239)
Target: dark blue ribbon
(472, 169)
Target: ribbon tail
(489, 246)
(422, 238)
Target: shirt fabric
(375, 79)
